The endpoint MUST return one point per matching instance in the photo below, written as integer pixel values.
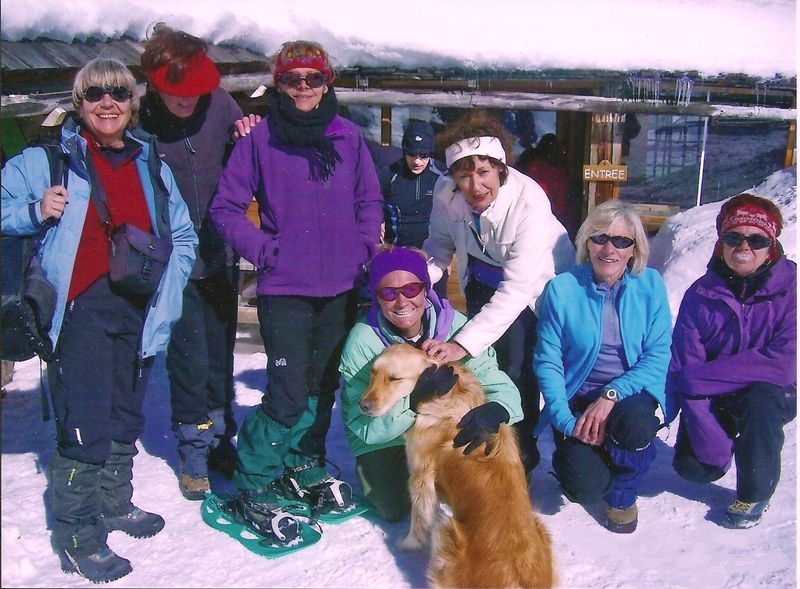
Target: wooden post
(606, 144)
(386, 124)
(790, 157)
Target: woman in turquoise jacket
(601, 360)
(104, 337)
(406, 309)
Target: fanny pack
(137, 258)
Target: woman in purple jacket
(734, 359)
(320, 210)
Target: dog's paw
(409, 544)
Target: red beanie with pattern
(747, 210)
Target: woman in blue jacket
(104, 337)
(601, 360)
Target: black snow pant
(97, 386)
(515, 357)
(200, 355)
(754, 418)
(614, 469)
(303, 338)
(200, 368)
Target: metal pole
(703, 155)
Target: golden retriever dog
(493, 538)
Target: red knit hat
(200, 77)
(302, 54)
(747, 210)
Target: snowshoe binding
(267, 529)
(328, 501)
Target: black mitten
(435, 381)
(480, 425)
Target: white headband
(485, 146)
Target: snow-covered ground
(679, 543)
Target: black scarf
(742, 287)
(295, 128)
(158, 120)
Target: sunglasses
(292, 80)
(756, 242)
(96, 93)
(618, 241)
(409, 291)
(422, 156)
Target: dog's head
(394, 374)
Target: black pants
(515, 357)
(303, 339)
(97, 383)
(614, 469)
(754, 417)
(200, 354)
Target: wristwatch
(610, 394)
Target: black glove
(480, 425)
(433, 382)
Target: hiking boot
(742, 514)
(223, 459)
(137, 523)
(622, 521)
(263, 513)
(193, 489)
(101, 567)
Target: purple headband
(397, 258)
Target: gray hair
(600, 219)
(106, 71)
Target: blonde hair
(106, 71)
(600, 219)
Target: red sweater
(126, 204)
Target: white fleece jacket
(518, 232)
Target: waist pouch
(485, 273)
(137, 259)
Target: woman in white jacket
(499, 225)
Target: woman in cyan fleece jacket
(405, 309)
(601, 359)
(320, 211)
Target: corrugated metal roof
(46, 65)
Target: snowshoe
(328, 501)
(267, 530)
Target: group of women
(587, 325)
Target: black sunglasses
(96, 93)
(292, 80)
(410, 290)
(618, 241)
(756, 242)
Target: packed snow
(679, 543)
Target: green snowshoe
(269, 531)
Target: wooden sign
(605, 172)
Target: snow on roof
(712, 37)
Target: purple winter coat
(720, 345)
(314, 237)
